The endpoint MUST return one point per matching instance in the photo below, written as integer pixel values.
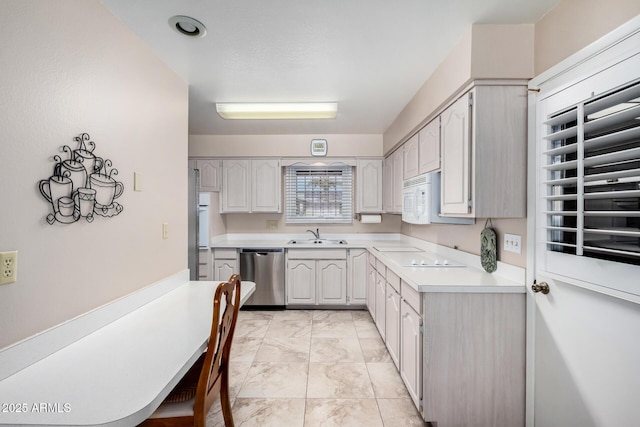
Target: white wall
(68, 67)
(574, 24)
(339, 145)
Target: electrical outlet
(513, 243)
(165, 230)
(8, 267)
(272, 224)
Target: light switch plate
(513, 243)
(137, 181)
(165, 230)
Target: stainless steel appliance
(265, 267)
(193, 226)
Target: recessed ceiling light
(278, 110)
(187, 26)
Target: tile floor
(313, 368)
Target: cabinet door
(410, 152)
(236, 186)
(301, 282)
(331, 281)
(429, 146)
(456, 145)
(387, 184)
(209, 174)
(369, 186)
(372, 277)
(224, 268)
(357, 282)
(266, 184)
(392, 324)
(411, 352)
(397, 181)
(381, 298)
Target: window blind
(592, 182)
(319, 194)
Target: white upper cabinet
(483, 140)
(410, 153)
(236, 186)
(266, 184)
(210, 173)
(392, 182)
(456, 183)
(429, 147)
(397, 181)
(387, 184)
(251, 185)
(369, 186)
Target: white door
(583, 371)
(392, 324)
(357, 281)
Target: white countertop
(119, 374)
(471, 278)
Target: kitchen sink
(317, 242)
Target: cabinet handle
(540, 287)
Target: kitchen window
(319, 194)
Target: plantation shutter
(591, 158)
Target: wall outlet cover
(8, 267)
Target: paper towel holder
(370, 218)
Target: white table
(119, 374)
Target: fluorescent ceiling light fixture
(278, 110)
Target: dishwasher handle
(261, 251)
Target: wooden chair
(191, 399)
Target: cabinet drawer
(203, 256)
(393, 280)
(220, 253)
(411, 296)
(317, 253)
(380, 267)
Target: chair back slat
(219, 348)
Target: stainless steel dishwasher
(265, 267)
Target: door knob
(540, 287)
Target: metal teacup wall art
(82, 186)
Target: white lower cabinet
(372, 277)
(392, 324)
(357, 280)
(331, 282)
(411, 351)
(381, 297)
(316, 277)
(223, 269)
(301, 282)
(225, 263)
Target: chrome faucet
(316, 233)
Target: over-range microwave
(421, 201)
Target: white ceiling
(371, 56)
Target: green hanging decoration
(488, 254)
